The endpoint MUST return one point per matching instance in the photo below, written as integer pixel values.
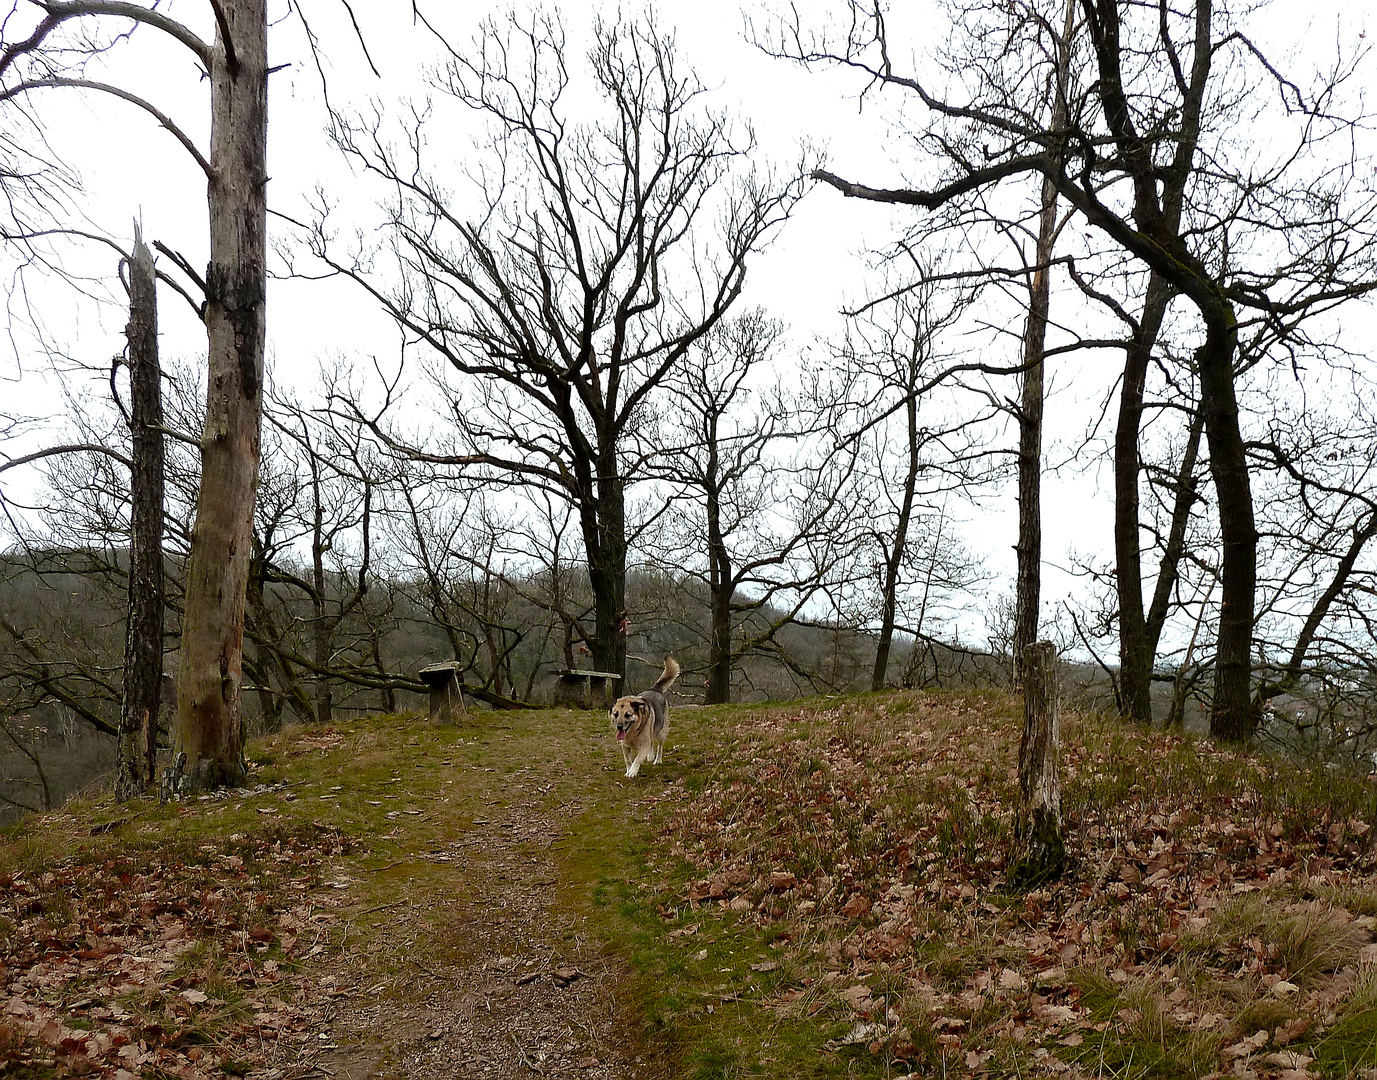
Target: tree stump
(1039, 848)
(443, 681)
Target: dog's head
(629, 714)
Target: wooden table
(443, 681)
(575, 687)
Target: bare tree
(594, 254)
(1141, 158)
(895, 363)
(458, 554)
(209, 730)
(1320, 472)
(340, 491)
(727, 435)
(762, 525)
(1028, 584)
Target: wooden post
(1041, 853)
(443, 680)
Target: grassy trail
(813, 889)
(465, 947)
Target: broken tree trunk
(1041, 853)
(143, 642)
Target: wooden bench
(574, 689)
(445, 692)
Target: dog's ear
(641, 706)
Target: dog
(642, 719)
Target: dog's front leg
(635, 766)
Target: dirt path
(474, 970)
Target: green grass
(1145, 1043)
(1352, 1043)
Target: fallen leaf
(1247, 1046)
(859, 998)
(859, 1033)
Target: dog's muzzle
(621, 732)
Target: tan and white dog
(642, 719)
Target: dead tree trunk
(143, 642)
(209, 724)
(1042, 853)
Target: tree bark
(1135, 654)
(1043, 851)
(603, 518)
(889, 596)
(721, 589)
(1234, 716)
(1028, 582)
(143, 646)
(322, 626)
(209, 719)
(1169, 570)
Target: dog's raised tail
(671, 673)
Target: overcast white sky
(132, 169)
